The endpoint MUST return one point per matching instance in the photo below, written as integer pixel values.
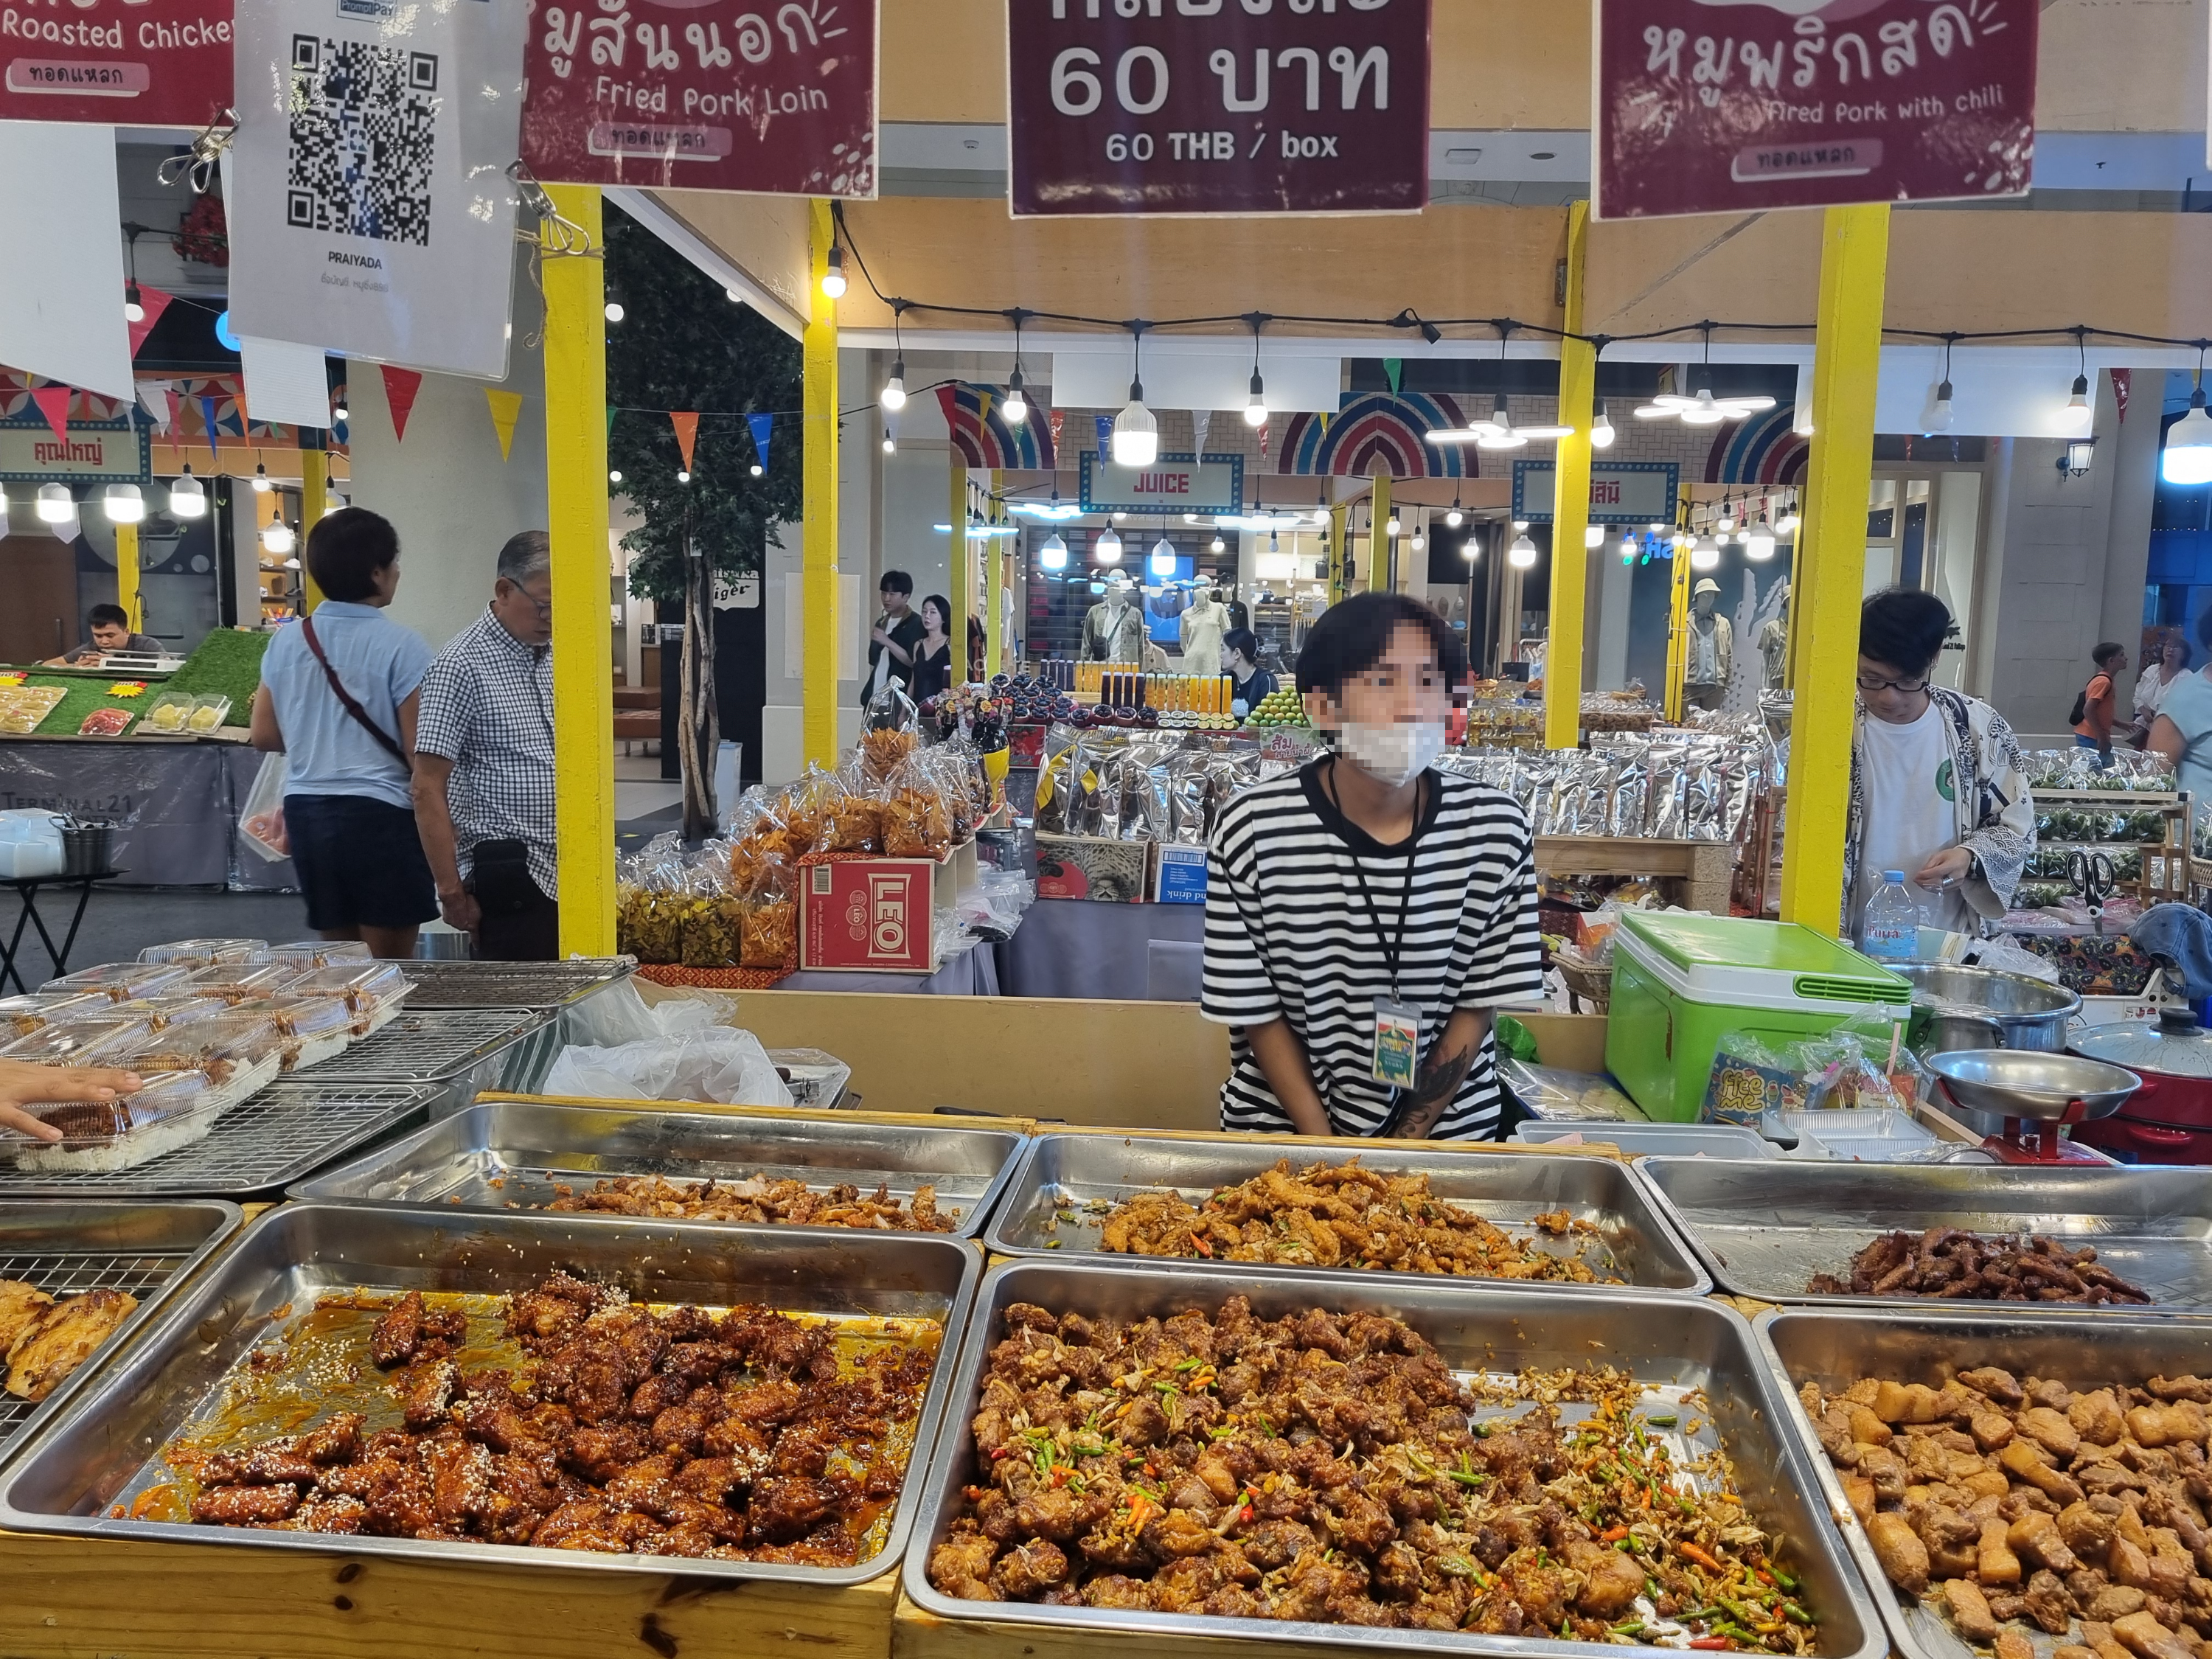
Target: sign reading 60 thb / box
(1219, 105)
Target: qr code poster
(703, 95)
(370, 209)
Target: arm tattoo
(1433, 1088)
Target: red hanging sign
(703, 95)
(127, 62)
(1738, 105)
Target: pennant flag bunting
(505, 406)
(983, 398)
(1059, 420)
(153, 301)
(54, 401)
(2121, 385)
(1394, 369)
(159, 399)
(1105, 437)
(1201, 422)
(207, 416)
(612, 413)
(686, 422)
(400, 387)
(763, 427)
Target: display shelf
(1704, 868)
(2168, 867)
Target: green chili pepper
(1663, 1420)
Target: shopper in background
(2158, 677)
(483, 765)
(1939, 786)
(895, 638)
(1364, 915)
(24, 1084)
(1240, 660)
(2182, 724)
(933, 653)
(339, 696)
(111, 631)
(2093, 710)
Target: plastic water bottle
(1890, 930)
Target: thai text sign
(1733, 106)
(135, 62)
(31, 454)
(1621, 492)
(1219, 105)
(1174, 483)
(704, 94)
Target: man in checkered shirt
(483, 765)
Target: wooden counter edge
(919, 1634)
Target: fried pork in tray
(1954, 1265)
(761, 1197)
(43, 1341)
(1341, 1215)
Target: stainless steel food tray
(1765, 1229)
(288, 1131)
(501, 1154)
(1671, 1342)
(1079, 1177)
(1924, 1343)
(444, 983)
(65, 1249)
(105, 1447)
(458, 1051)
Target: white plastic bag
(261, 820)
(717, 1064)
(30, 844)
(619, 1015)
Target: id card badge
(1397, 1041)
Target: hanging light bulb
(833, 273)
(893, 396)
(1053, 555)
(339, 413)
(1420, 542)
(2078, 414)
(1391, 526)
(1520, 523)
(1136, 433)
(614, 475)
(277, 537)
(1107, 549)
(755, 471)
(260, 479)
(188, 496)
(2187, 458)
(1457, 516)
(1594, 535)
(334, 503)
(1601, 433)
(1120, 517)
(1014, 405)
(1471, 549)
(1706, 412)
(1759, 541)
(56, 504)
(1255, 406)
(1628, 547)
(134, 309)
(1522, 553)
(1787, 524)
(614, 311)
(890, 441)
(124, 504)
(1704, 554)
(1218, 545)
(1726, 521)
(683, 477)
(1939, 417)
(1163, 557)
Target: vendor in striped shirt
(1365, 915)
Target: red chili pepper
(1713, 1644)
(1612, 1535)
(1002, 1452)
(1700, 1557)
(1204, 1248)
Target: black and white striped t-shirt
(1289, 935)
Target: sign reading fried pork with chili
(1735, 106)
(128, 63)
(703, 95)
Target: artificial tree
(683, 346)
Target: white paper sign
(61, 260)
(370, 213)
(285, 383)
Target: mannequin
(1113, 629)
(1774, 641)
(1203, 625)
(1711, 656)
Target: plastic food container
(367, 987)
(205, 952)
(22, 707)
(163, 1011)
(315, 952)
(20, 1015)
(106, 723)
(240, 982)
(172, 1109)
(208, 713)
(314, 1028)
(119, 979)
(88, 1043)
(239, 1053)
(167, 713)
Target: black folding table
(27, 895)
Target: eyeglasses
(544, 607)
(1869, 683)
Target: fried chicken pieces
(43, 1341)
(625, 1429)
(2028, 1504)
(759, 1198)
(1322, 1468)
(1954, 1265)
(1337, 1215)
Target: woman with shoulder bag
(338, 698)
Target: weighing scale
(2037, 1095)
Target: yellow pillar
(1678, 633)
(819, 541)
(1339, 513)
(960, 568)
(995, 588)
(126, 576)
(314, 496)
(1571, 479)
(576, 517)
(1828, 575)
(1378, 537)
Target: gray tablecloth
(973, 973)
(174, 806)
(1108, 952)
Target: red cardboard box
(868, 915)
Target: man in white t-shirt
(1939, 786)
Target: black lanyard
(1393, 949)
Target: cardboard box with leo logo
(869, 915)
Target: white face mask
(1395, 754)
(1117, 602)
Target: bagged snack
(917, 822)
(712, 923)
(853, 821)
(770, 928)
(1750, 1078)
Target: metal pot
(2172, 1053)
(1985, 1008)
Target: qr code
(363, 135)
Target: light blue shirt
(380, 664)
(2189, 705)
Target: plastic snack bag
(1749, 1079)
(770, 934)
(917, 822)
(261, 824)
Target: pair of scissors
(2091, 874)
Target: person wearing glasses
(1939, 786)
(483, 765)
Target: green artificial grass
(228, 664)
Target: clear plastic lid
(122, 979)
(22, 1015)
(2174, 1043)
(362, 983)
(209, 711)
(85, 1125)
(311, 1017)
(167, 713)
(236, 981)
(316, 952)
(217, 1047)
(176, 1008)
(86, 1042)
(204, 952)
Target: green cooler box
(1680, 981)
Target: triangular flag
(153, 301)
(611, 412)
(53, 402)
(1394, 369)
(1325, 418)
(1105, 436)
(686, 422)
(2122, 380)
(1059, 420)
(505, 406)
(764, 427)
(159, 399)
(207, 415)
(1201, 420)
(400, 386)
(983, 405)
(1263, 440)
